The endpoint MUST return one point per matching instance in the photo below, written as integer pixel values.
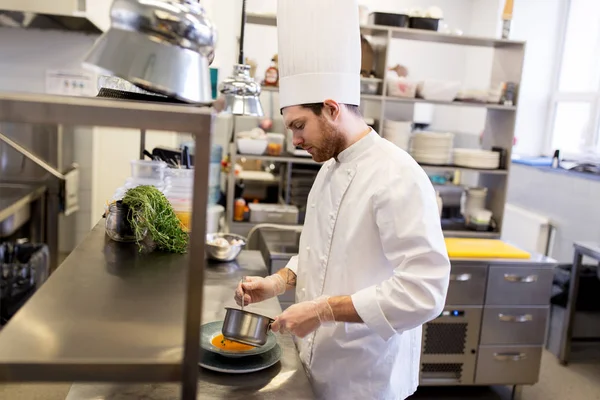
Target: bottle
(506, 18)
(238, 209)
(272, 73)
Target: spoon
(243, 294)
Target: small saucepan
(246, 327)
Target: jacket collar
(352, 152)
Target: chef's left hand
(304, 318)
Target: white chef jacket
(372, 230)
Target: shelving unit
(507, 66)
(96, 318)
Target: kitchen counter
(110, 310)
(15, 196)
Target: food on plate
(220, 342)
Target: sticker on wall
(71, 83)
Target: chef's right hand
(257, 289)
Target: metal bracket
(69, 180)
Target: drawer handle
(515, 318)
(510, 356)
(460, 277)
(519, 278)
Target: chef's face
(317, 134)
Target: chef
(372, 266)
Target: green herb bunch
(151, 213)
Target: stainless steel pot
(246, 327)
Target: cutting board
(482, 248)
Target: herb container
(117, 224)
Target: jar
(117, 224)
(238, 210)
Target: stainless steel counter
(111, 311)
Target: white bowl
(255, 147)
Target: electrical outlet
(71, 83)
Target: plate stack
(480, 159)
(432, 148)
(398, 132)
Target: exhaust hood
(87, 16)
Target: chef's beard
(332, 142)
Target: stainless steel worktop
(15, 196)
(110, 310)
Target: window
(574, 120)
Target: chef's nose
(297, 140)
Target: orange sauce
(225, 344)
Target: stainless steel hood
(87, 16)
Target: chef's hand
(304, 318)
(257, 289)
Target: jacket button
(307, 248)
(332, 215)
(313, 205)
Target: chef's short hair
(317, 108)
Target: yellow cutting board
(482, 248)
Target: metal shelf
(281, 159)
(407, 34)
(489, 106)
(93, 320)
(443, 168)
(391, 99)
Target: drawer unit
(512, 325)
(467, 284)
(509, 285)
(508, 365)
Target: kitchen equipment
(438, 90)
(479, 220)
(370, 85)
(252, 146)
(503, 154)
(507, 15)
(474, 158)
(473, 198)
(429, 24)
(273, 213)
(167, 35)
(398, 132)
(24, 267)
(246, 327)
(144, 169)
(389, 19)
(482, 248)
(212, 329)
(401, 87)
(117, 224)
(213, 218)
(245, 365)
(275, 143)
(224, 253)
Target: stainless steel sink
(15, 210)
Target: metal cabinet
(514, 325)
(467, 284)
(510, 365)
(508, 285)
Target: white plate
(246, 365)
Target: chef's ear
(331, 109)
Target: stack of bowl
(397, 132)
(433, 148)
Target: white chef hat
(319, 51)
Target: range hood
(87, 16)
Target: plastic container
(130, 183)
(370, 85)
(389, 19)
(275, 143)
(144, 169)
(401, 87)
(273, 213)
(428, 24)
(438, 90)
